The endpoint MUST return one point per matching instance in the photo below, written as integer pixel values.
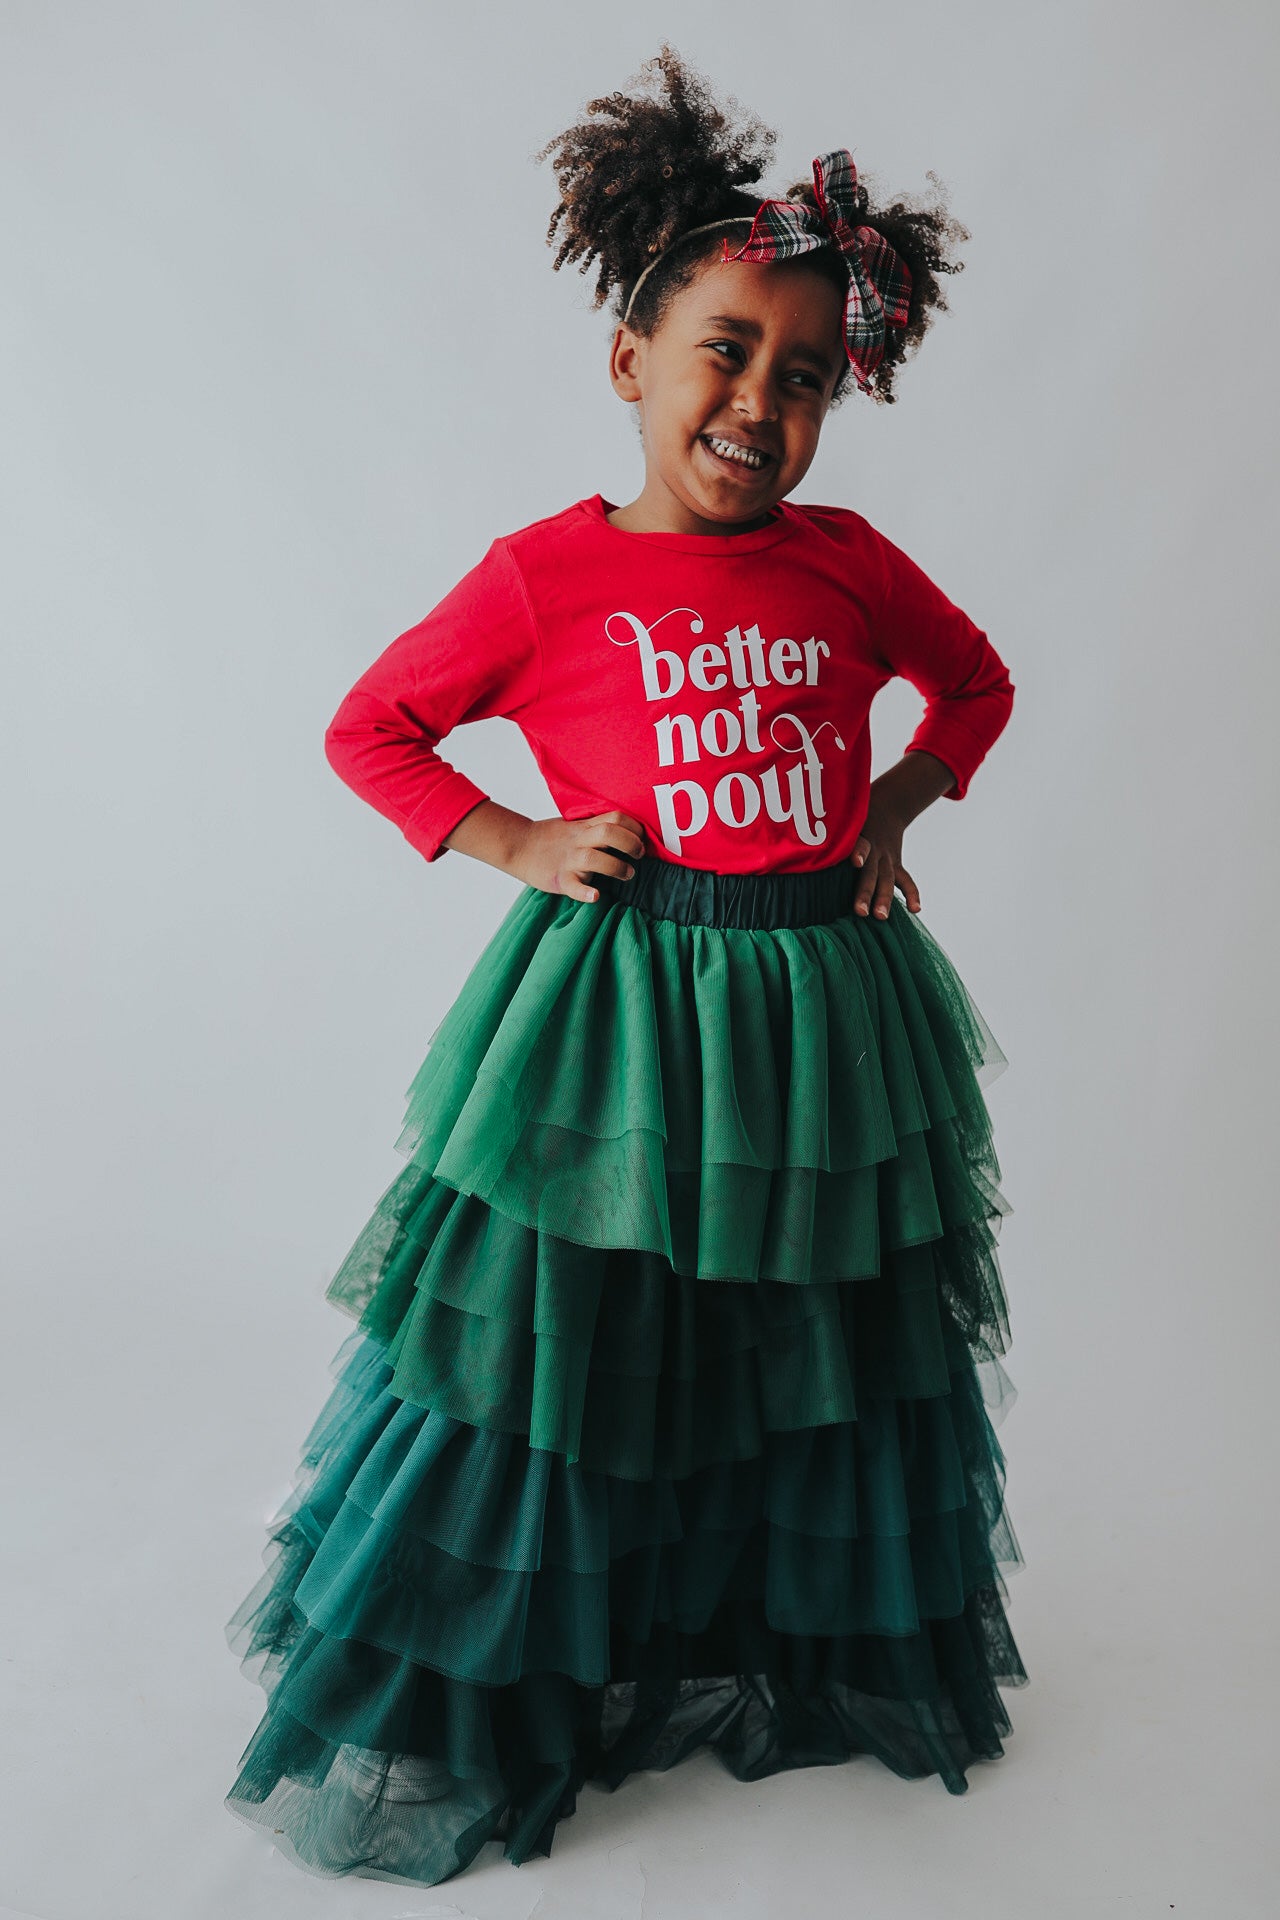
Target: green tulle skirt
(667, 1419)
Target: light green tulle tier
(782, 1103)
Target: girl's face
(746, 356)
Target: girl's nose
(755, 397)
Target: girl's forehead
(759, 298)
(769, 291)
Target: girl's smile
(743, 458)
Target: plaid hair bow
(879, 279)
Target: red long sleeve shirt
(717, 687)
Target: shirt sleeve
(926, 639)
(477, 654)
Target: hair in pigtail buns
(646, 165)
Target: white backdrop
(282, 353)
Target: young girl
(664, 1423)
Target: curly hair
(644, 166)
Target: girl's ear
(625, 357)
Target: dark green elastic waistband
(698, 896)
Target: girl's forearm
(492, 833)
(917, 780)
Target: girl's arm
(474, 655)
(477, 654)
(929, 641)
(926, 639)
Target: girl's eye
(733, 346)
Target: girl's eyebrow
(752, 330)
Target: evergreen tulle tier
(668, 1418)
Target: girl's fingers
(620, 840)
(910, 889)
(861, 848)
(602, 861)
(874, 892)
(884, 892)
(621, 831)
(615, 840)
(866, 885)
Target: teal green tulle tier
(668, 1418)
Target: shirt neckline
(711, 545)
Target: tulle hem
(405, 1816)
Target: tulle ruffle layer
(612, 1358)
(748, 1103)
(470, 1550)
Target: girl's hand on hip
(558, 855)
(878, 852)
